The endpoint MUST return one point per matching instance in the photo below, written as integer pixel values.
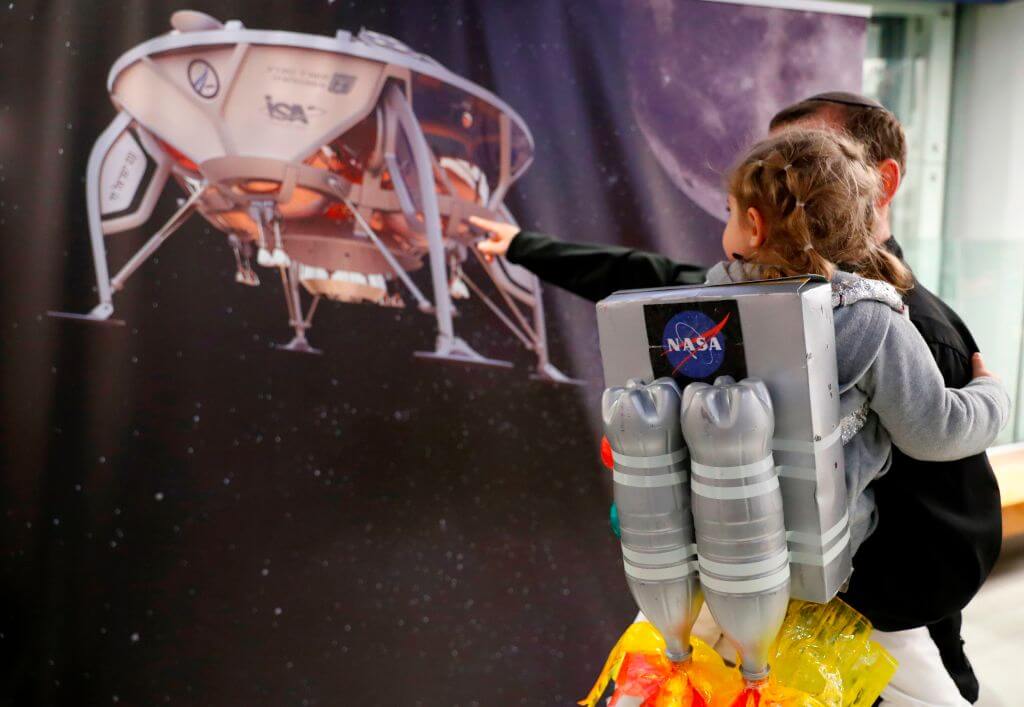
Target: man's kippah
(847, 99)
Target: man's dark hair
(866, 120)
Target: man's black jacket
(939, 523)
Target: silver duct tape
(640, 557)
(675, 478)
(821, 558)
(823, 539)
(809, 446)
(824, 560)
(742, 587)
(732, 493)
(742, 471)
(744, 569)
(661, 574)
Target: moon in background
(706, 78)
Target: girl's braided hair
(817, 195)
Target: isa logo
(694, 343)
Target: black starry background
(188, 516)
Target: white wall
(986, 168)
(983, 258)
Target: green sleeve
(596, 271)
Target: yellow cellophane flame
(826, 650)
(823, 657)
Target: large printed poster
(405, 505)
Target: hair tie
(809, 246)
(801, 204)
(787, 166)
(759, 163)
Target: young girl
(803, 201)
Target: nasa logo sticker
(694, 343)
(203, 78)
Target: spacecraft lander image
(337, 165)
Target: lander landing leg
(293, 300)
(101, 313)
(455, 350)
(545, 370)
(131, 141)
(399, 116)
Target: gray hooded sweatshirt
(891, 391)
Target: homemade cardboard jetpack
(722, 413)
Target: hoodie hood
(861, 310)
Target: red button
(606, 453)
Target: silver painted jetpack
(765, 499)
